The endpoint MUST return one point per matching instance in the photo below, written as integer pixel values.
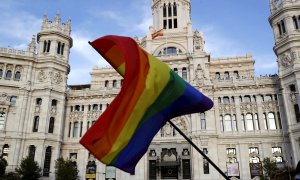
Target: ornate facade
(253, 117)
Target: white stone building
(253, 117)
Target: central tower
(171, 14)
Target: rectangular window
(203, 121)
(70, 125)
(186, 169)
(243, 122)
(36, 124)
(265, 120)
(234, 124)
(277, 149)
(297, 113)
(175, 23)
(73, 156)
(205, 162)
(152, 169)
(170, 23)
(253, 150)
(165, 24)
(256, 121)
(81, 124)
(230, 151)
(75, 129)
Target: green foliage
(65, 169)
(12, 176)
(29, 169)
(3, 164)
(272, 172)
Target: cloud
(82, 49)
(18, 24)
(218, 45)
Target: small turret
(54, 40)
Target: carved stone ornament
(198, 41)
(76, 116)
(286, 60)
(42, 76)
(57, 78)
(4, 99)
(180, 123)
(293, 97)
(269, 106)
(93, 115)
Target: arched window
(217, 75)
(184, 74)
(18, 75)
(202, 120)
(106, 83)
(268, 97)
(95, 106)
(75, 129)
(272, 122)
(256, 121)
(38, 101)
(226, 100)
(236, 74)
(295, 22)
(53, 102)
(2, 120)
(114, 83)
(247, 98)
(283, 26)
(234, 123)
(47, 161)
(243, 122)
(13, 100)
(249, 120)
(70, 126)
(8, 74)
(48, 46)
(176, 70)
(51, 125)
(174, 15)
(45, 46)
(31, 152)
(279, 28)
(36, 124)
(77, 107)
(80, 132)
(222, 123)
(164, 11)
(227, 123)
(62, 49)
(174, 9)
(58, 48)
(226, 75)
(169, 10)
(219, 100)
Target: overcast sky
(230, 27)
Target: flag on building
(157, 33)
(151, 94)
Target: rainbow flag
(151, 94)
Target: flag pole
(203, 154)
